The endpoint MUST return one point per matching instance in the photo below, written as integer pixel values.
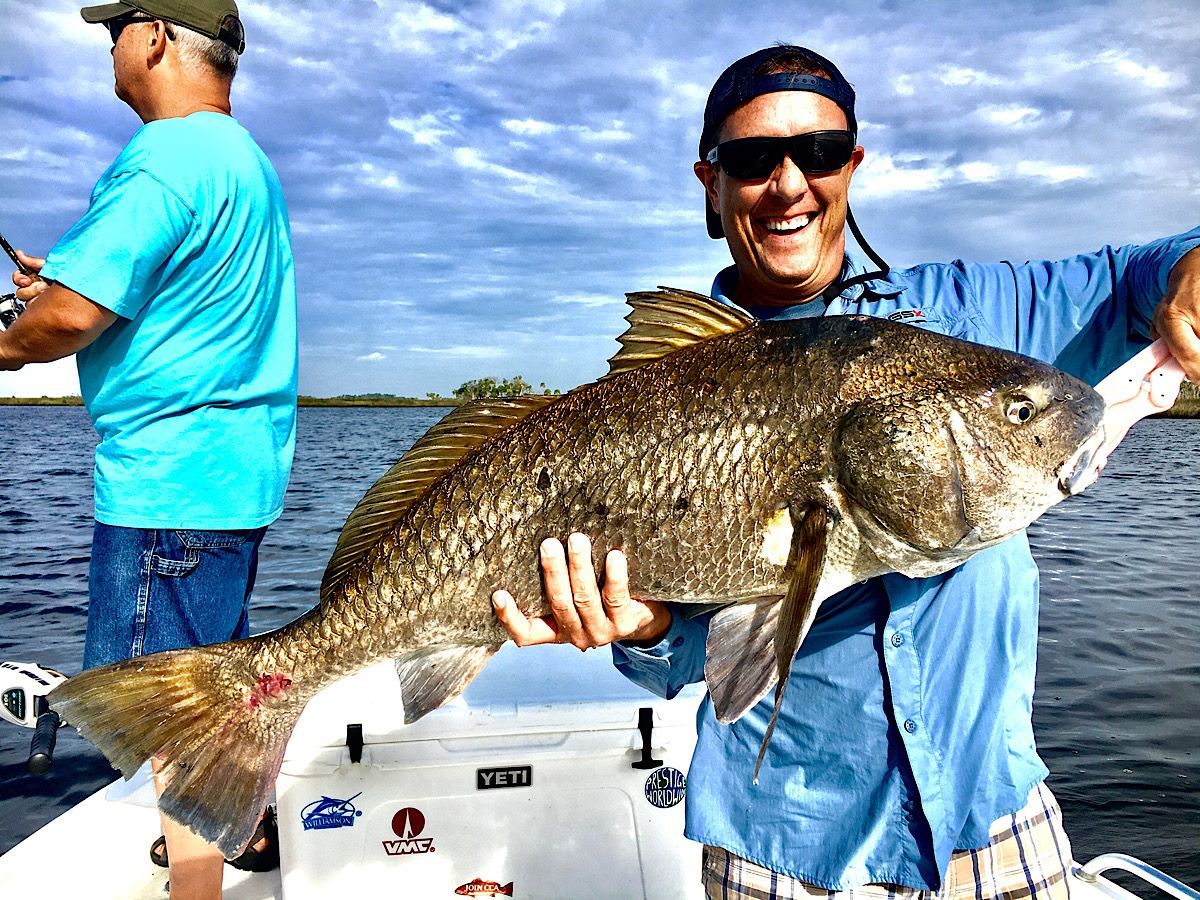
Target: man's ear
(707, 173)
(856, 158)
(156, 43)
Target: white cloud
(304, 227)
(980, 172)
(417, 27)
(426, 130)
(1151, 76)
(530, 126)
(666, 216)
(1052, 173)
(288, 21)
(471, 159)
(1165, 109)
(372, 357)
(1010, 115)
(678, 99)
(614, 133)
(320, 65)
(589, 300)
(65, 24)
(879, 176)
(467, 350)
(961, 76)
(377, 177)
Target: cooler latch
(645, 728)
(354, 742)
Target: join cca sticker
(665, 787)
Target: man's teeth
(788, 226)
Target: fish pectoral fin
(694, 610)
(740, 656)
(810, 539)
(430, 677)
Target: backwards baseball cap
(217, 19)
(745, 80)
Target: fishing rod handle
(41, 748)
(12, 254)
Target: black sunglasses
(755, 158)
(116, 26)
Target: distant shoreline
(1184, 408)
(302, 401)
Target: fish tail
(216, 720)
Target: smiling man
(904, 758)
(785, 229)
(177, 293)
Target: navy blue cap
(741, 83)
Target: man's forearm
(57, 323)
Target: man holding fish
(904, 759)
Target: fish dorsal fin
(463, 430)
(667, 320)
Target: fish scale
(757, 467)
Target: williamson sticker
(329, 812)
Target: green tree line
(484, 388)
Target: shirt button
(677, 643)
(910, 726)
(897, 639)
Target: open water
(1118, 691)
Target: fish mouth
(1084, 466)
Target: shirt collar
(725, 285)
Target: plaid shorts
(1029, 857)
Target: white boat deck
(99, 849)
(514, 712)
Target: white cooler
(536, 783)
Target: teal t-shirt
(193, 389)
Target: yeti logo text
(510, 776)
(407, 824)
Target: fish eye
(1020, 410)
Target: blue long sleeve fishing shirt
(906, 727)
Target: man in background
(904, 758)
(176, 291)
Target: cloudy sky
(474, 185)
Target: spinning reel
(11, 306)
(23, 690)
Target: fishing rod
(23, 690)
(11, 306)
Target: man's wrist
(8, 361)
(654, 631)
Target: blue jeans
(161, 589)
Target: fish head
(968, 456)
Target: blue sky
(474, 186)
